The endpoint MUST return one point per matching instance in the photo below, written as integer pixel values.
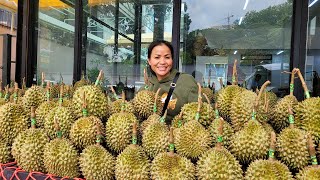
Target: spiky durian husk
(67, 103)
(218, 164)
(34, 96)
(154, 118)
(206, 113)
(192, 140)
(64, 118)
(225, 97)
(96, 101)
(80, 83)
(143, 103)
(209, 93)
(227, 132)
(155, 139)
(309, 173)
(279, 114)
(42, 111)
(119, 130)
(268, 169)
(177, 122)
(250, 143)
(273, 99)
(308, 116)
(13, 120)
(2, 101)
(292, 148)
(96, 163)
(166, 167)
(20, 95)
(27, 149)
(133, 164)
(61, 158)
(241, 110)
(83, 132)
(5, 155)
(116, 107)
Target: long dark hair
(157, 43)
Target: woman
(160, 54)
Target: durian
(60, 157)
(5, 155)
(96, 163)
(268, 169)
(218, 163)
(81, 82)
(133, 162)
(28, 146)
(34, 96)
(168, 165)
(119, 104)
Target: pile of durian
(80, 131)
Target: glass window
(256, 33)
(312, 66)
(56, 41)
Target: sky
(208, 13)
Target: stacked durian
(208, 90)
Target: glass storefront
(56, 41)
(312, 65)
(256, 33)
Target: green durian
(209, 93)
(33, 97)
(206, 113)
(227, 132)
(225, 98)
(42, 111)
(5, 155)
(143, 103)
(309, 173)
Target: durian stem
(272, 145)
(23, 83)
(15, 95)
(171, 142)
(220, 134)
(7, 95)
(208, 101)
(291, 117)
(234, 73)
(57, 127)
(114, 92)
(98, 78)
(312, 151)
(1, 89)
(199, 102)
(221, 83)
(33, 118)
(263, 87)
(84, 105)
(304, 85)
(99, 135)
(42, 79)
(216, 111)
(61, 95)
(48, 92)
(163, 118)
(180, 119)
(68, 92)
(155, 101)
(294, 71)
(134, 133)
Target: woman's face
(161, 61)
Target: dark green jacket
(186, 91)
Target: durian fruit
(226, 95)
(292, 146)
(13, 120)
(252, 141)
(119, 104)
(155, 138)
(96, 100)
(218, 163)
(272, 98)
(119, 130)
(5, 155)
(154, 118)
(96, 163)
(44, 108)
(144, 101)
(60, 157)
(65, 117)
(192, 139)
(133, 162)
(177, 121)
(310, 172)
(206, 111)
(28, 146)
(279, 115)
(208, 91)
(34, 96)
(81, 82)
(66, 101)
(83, 132)
(168, 165)
(268, 169)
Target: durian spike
(221, 83)
(61, 95)
(145, 77)
(304, 85)
(220, 131)
(171, 143)
(291, 117)
(312, 151)
(42, 79)
(98, 78)
(16, 89)
(208, 101)
(272, 145)
(113, 92)
(57, 127)
(155, 109)
(234, 73)
(33, 118)
(134, 134)
(84, 105)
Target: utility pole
(228, 18)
